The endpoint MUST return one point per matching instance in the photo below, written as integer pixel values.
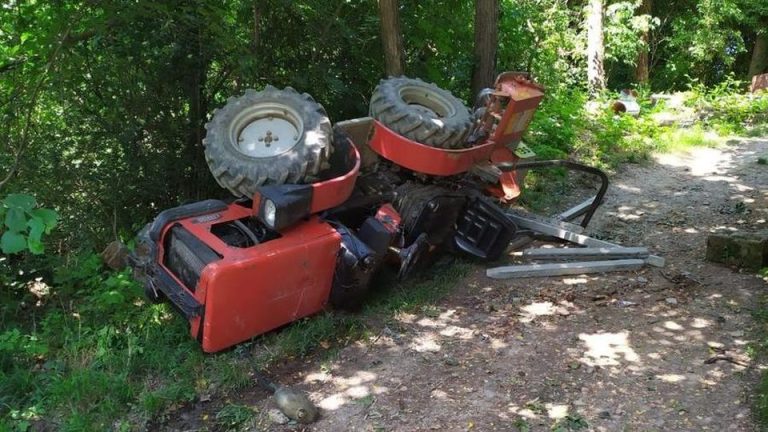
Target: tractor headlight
(280, 206)
(270, 212)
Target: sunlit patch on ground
(671, 378)
(607, 349)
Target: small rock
(744, 250)
(450, 361)
(115, 255)
(642, 280)
(671, 300)
(604, 415)
(277, 417)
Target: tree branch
(12, 64)
(24, 140)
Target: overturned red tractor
(321, 209)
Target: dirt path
(617, 352)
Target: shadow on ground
(621, 351)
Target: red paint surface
(330, 193)
(509, 180)
(253, 290)
(389, 217)
(423, 158)
(523, 95)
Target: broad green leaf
(36, 228)
(12, 242)
(35, 246)
(48, 216)
(20, 201)
(16, 220)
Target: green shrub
(24, 224)
(557, 124)
(727, 108)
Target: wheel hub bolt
(269, 138)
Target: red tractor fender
(331, 193)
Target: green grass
(759, 131)
(758, 350)
(680, 140)
(234, 417)
(97, 356)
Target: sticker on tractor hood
(207, 218)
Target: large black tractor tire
(421, 111)
(267, 137)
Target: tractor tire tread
(388, 106)
(242, 174)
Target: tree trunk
(391, 37)
(595, 47)
(486, 41)
(759, 62)
(256, 36)
(193, 62)
(641, 70)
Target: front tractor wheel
(268, 137)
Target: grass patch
(570, 423)
(234, 417)
(759, 350)
(761, 401)
(757, 131)
(97, 356)
(680, 140)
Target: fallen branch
(723, 357)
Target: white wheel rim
(266, 130)
(427, 101)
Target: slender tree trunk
(391, 37)
(641, 70)
(595, 47)
(759, 62)
(256, 36)
(194, 62)
(486, 40)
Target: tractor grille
(186, 256)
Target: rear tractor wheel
(267, 137)
(421, 111)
